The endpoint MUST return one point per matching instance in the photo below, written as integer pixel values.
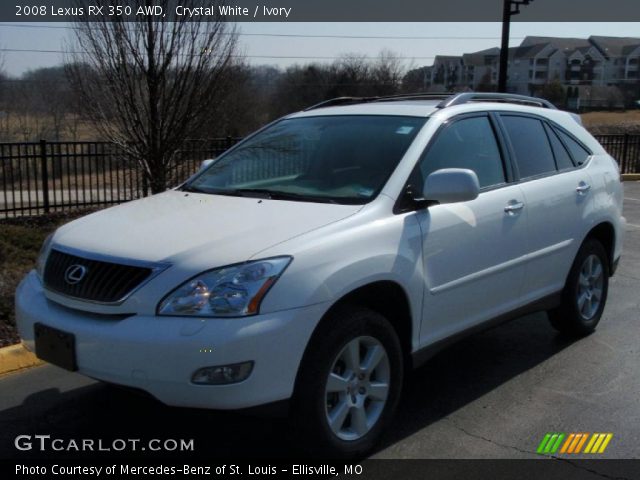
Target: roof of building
(533, 46)
(447, 58)
(615, 46)
(557, 42)
(478, 58)
(530, 51)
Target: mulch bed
(8, 335)
(20, 240)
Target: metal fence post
(45, 175)
(636, 154)
(625, 150)
(145, 185)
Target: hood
(175, 225)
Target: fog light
(223, 374)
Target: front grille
(104, 282)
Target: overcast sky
(444, 39)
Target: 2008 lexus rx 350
(325, 255)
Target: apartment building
(595, 68)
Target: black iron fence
(625, 148)
(43, 176)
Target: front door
(473, 252)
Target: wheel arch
(605, 233)
(385, 297)
(390, 300)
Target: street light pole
(507, 12)
(504, 48)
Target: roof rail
(413, 96)
(383, 98)
(467, 97)
(340, 101)
(448, 99)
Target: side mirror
(206, 163)
(451, 185)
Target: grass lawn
(612, 122)
(20, 241)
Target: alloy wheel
(357, 388)
(590, 287)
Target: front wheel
(585, 293)
(349, 383)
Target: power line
(618, 80)
(298, 35)
(301, 57)
(262, 84)
(293, 57)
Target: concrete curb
(630, 177)
(17, 357)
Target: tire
(355, 397)
(585, 293)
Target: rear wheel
(349, 383)
(585, 293)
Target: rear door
(556, 195)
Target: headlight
(234, 291)
(42, 256)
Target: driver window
(466, 143)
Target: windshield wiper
(261, 193)
(280, 195)
(192, 189)
(222, 191)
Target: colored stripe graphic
(555, 447)
(568, 442)
(574, 443)
(594, 437)
(550, 443)
(598, 443)
(543, 443)
(581, 443)
(605, 444)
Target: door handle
(583, 188)
(512, 208)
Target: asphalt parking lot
(494, 395)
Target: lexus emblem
(75, 273)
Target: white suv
(326, 254)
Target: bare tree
(349, 75)
(387, 73)
(48, 90)
(146, 84)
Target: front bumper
(160, 354)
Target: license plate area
(55, 346)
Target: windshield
(337, 159)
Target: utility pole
(511, 7)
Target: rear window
(531, 146)
(578, 152)
(563, 159)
